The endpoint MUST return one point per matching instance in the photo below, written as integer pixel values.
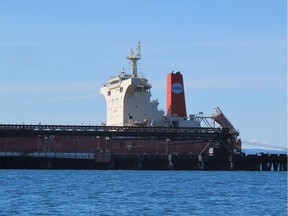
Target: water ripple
(70, 192)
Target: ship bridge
(128, 98)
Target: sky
(55, 56)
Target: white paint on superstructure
(128, 100)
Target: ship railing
(104, 128)
(110, 131)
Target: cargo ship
(136, 135)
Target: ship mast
(134, 58)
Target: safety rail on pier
(43, 154)
(104, 128)
(114, 132)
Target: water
(70, 192)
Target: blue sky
(55, 55)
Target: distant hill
(266, 151)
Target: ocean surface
(81, 192)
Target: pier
(73, 160)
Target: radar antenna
(134, 58)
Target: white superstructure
(128, 98)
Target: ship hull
(99, 144)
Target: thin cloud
(239, 43)
(50, 87)
(55, 99)
(246, 82)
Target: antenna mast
(134, 58)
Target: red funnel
(175, 102)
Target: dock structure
(126, 147)
(110, 161)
